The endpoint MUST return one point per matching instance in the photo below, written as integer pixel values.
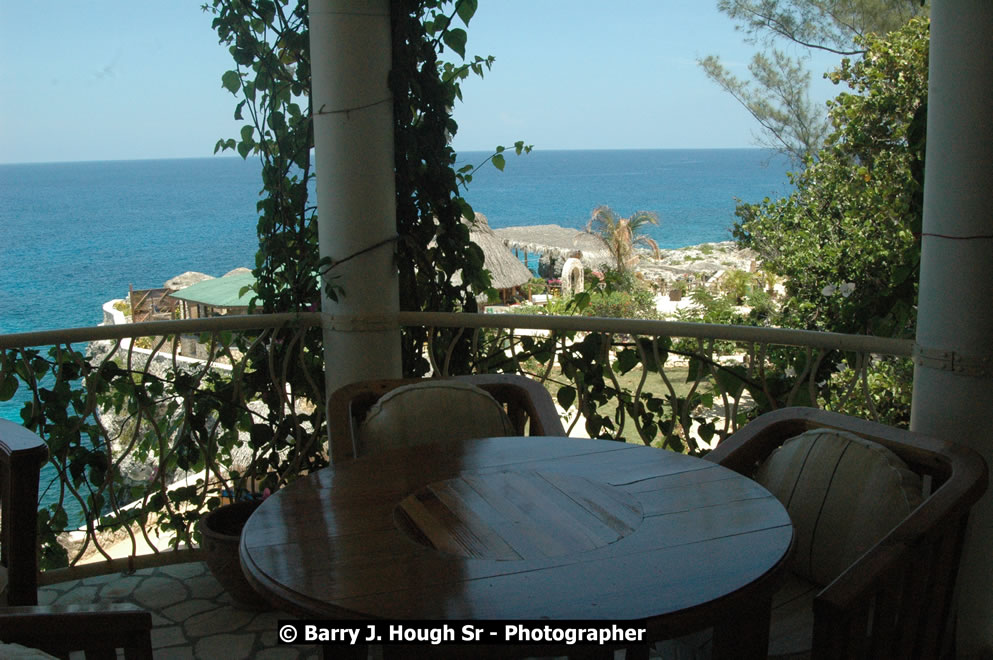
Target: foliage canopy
(777, 96)
(846, 239)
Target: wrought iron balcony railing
(150, 424)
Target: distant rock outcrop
(555, 244)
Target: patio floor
(192, 615)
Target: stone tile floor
(192, 615)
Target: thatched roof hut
(506, 270)
(557, 242)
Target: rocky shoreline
(555, 243)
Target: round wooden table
(527, 528)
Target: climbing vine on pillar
(440, 268)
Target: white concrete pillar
(353, 136)
(953, 376)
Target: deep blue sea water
(693, 190)
(74, 235)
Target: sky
(120, 79)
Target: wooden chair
(895, 600)
(22, 453)
(527, 403)
(60, 630)
(57, 630)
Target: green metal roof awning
(220, 292)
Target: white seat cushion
(431, 411)
(843, 493)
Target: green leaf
(8, 386)
(456, 40)
(566, 396)
(260, 435)
(466, 9)
(581, 300)
(499, 162)
(731, 380)
(706, 432)
(647, 345)
(697, 370)
(231, 81)
(626, 360)
(277, 122)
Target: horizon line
(457, 152)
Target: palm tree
(622, 235)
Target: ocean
(75, 235)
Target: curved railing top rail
(782, 336)
(155, 328)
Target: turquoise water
(75, 235)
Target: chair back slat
(885, 608)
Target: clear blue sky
(123, 79)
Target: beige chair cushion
(843, 493)
(430, 411)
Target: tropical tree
(846, 240)
(777, 95)
(622, 235)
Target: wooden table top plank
(451, 526)
(616, 467)
(621, 513)
(682, 529)
(544, 507)
(507, 521)
(662, 582)
(430, 519)
(578, 525)
(522, 522)
(689, 497)
(315, 518)
(598, 517)
(703, 473)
